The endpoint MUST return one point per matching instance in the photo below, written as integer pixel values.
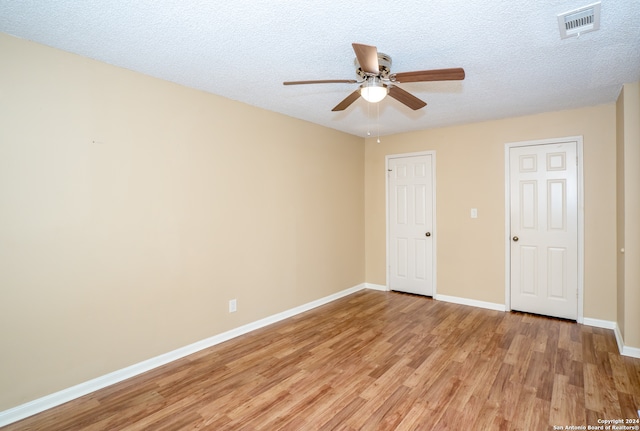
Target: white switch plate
(233, 306)
(474, 212)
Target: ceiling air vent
(578, 21)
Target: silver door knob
(515, 238)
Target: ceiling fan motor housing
(384, 64)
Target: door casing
(507, 209)
(434, 232)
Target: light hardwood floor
(377, 361)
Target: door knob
(427, 234)
(515, 238)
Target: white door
(411, 236)
(544, 229)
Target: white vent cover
(578, 21)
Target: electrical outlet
(233, 306)
(474, 212)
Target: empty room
(269, 215)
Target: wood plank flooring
(377, 361)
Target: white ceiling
(515, 61)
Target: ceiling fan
(376, 80)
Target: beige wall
(470, 174)
(620, 221)
(133, 210)
(628, 145)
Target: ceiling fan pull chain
(368, 119)
(378, 121)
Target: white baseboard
(597, 323)
(633, 352)
(41, 404)
(619, 339)
(380, 287)
(471, 302)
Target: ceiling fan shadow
(386, 108)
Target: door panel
(544, 217)
(410, 220)
(557, 205)
(529, 270)
(557, 276)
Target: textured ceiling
(511, 50)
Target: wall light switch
(233, 306)
(474, 212)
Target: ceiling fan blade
(406, 98)
(454, 74)
(367, 56)
(322, 81)
(347, 101)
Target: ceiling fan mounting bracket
(384, 65)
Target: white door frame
(507, 214)
(434, 231)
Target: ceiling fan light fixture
(373, 91)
